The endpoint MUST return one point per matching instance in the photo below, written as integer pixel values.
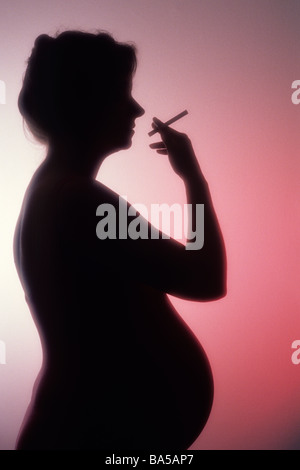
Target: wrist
(194, 176)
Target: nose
(138, 110)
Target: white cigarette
(175, 118)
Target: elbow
(215, 287)
(209, 284)
(216, 291)
(220, 284)
(217, 282)
(223, 292)
(218, 294)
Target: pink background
(231, 63)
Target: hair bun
(43, 42)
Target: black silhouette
(121, 369)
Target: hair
(72, 79)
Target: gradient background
(231, 63)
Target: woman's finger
(158, 145)
(158, 123)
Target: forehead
(128, 83)
(125, 87)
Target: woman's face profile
(120, 120)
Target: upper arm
(162, 263)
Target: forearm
(206, 260)
(212, 254)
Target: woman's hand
(178, 147)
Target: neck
(75, 158)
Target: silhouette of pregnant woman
(121, 370)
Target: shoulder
(78, 204)
(85, 192)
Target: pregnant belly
(147, 385)
(173, 385)
(172, 398)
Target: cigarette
(174, 119)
